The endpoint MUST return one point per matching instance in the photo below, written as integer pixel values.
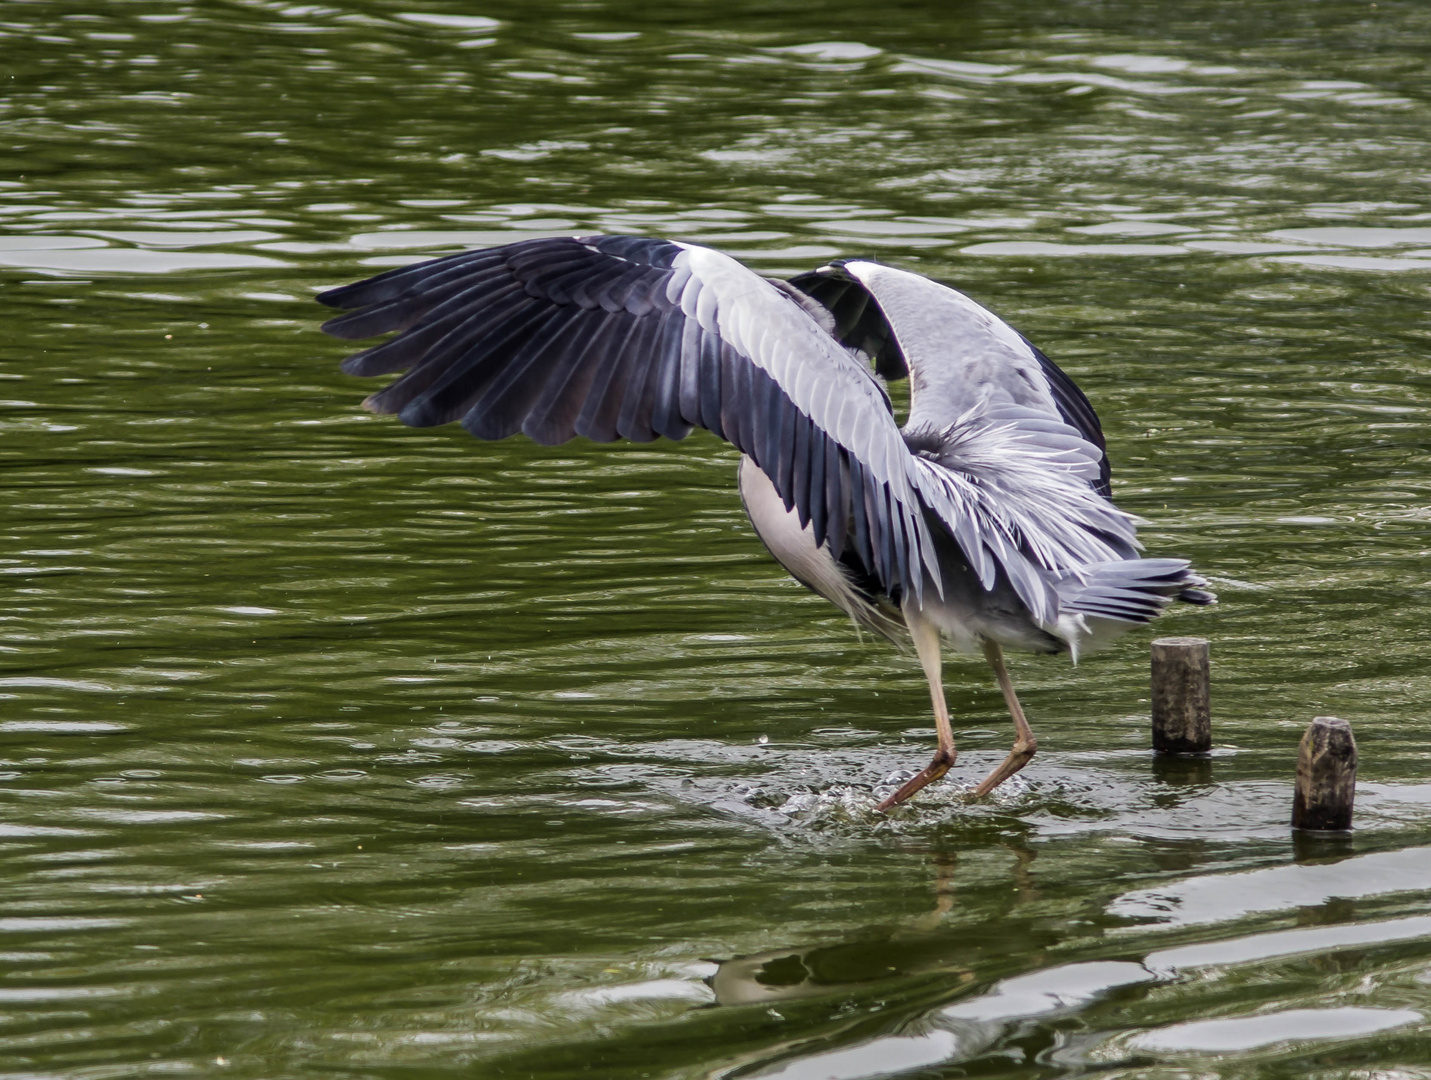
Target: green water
(332, 748)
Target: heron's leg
(1024, 742)
(926, 644)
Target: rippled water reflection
(328, 746)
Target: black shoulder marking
(1077, 410)
(859, 323)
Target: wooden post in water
(1182, 712)
(1326, 777)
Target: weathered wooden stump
(1182, 710)
(1326, 777)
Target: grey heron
(986, 520)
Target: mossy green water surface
(329, 747)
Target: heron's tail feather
(1128, 590)
(1101, 602)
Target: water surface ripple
(330, 747)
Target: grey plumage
(987, 517)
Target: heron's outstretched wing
(953, 340)
(618, 336)
(1010, 454)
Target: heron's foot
(930, 773)
(1019, 756)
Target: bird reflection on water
(985, 521)
(788, 974)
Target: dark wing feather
(1076, 410)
